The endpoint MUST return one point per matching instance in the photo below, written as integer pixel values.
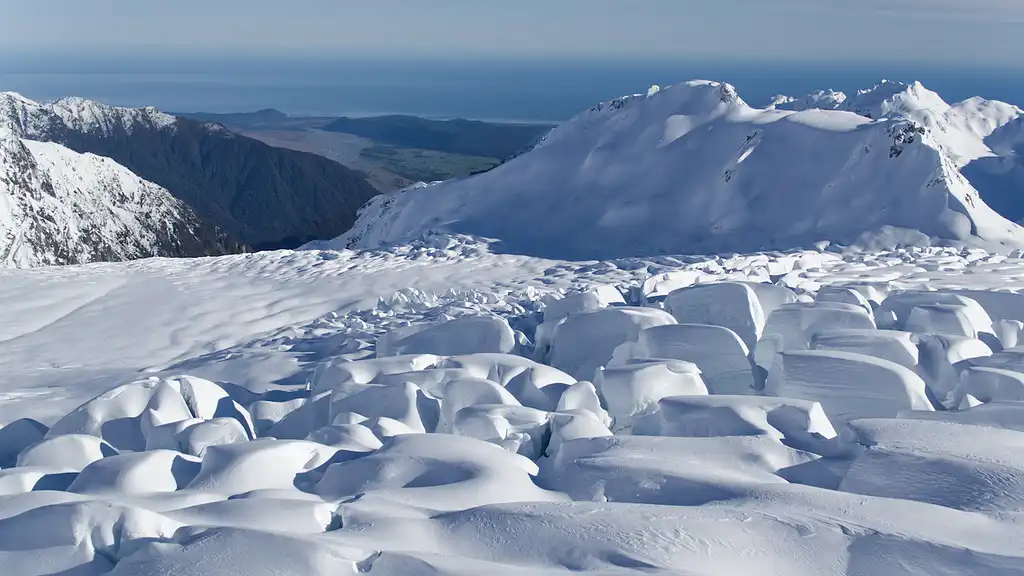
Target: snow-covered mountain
(52, 120)
(61, 207)
(264, 196)
(694, 168)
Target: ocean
(511, 90)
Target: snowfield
(438, 408)
(461, 404)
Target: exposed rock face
(61, 207)
(267, 197)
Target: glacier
(434, 400)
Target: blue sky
(961, 31)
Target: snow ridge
(692, 168)
(61, 207)
(48, 120)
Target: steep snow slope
(980, 136)
(264, 196)
(61, 207)
(693, 168)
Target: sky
(938, 31)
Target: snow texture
(282, 425)
(446, 407)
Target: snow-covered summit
(826, 99)
(48, 120)
(61, 207)
(87, 115)
(961, 128)
(693, 168)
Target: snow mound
(892, 345)
(134, 415)
(848, 386)
(473, 334)
(988, 384)
(901, 305)
(138, 473)
(1008, 415)
(723, 359)
(667, 471)
(436, 472)
(728, 304)
(70, 452)
(233, 469)
(633, 389)
(79, 538)
(799, 423)
(17, 436)
(585, 342)
(793, 327)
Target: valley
(392, 151)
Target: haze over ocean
(491, 89)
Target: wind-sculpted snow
(438, 408)
(693, 168)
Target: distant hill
(267, 119)
(466, 137)
(267, 116)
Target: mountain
(61, 207)
(694, 168)
(267, 197)
(980, 136)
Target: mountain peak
(692, 168)
(88, 115)
(887, 98)
(823, 99)
(61, 207)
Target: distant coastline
(523, 91)
(392, 151)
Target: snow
(585, 342)
(724, 360)
(475, 334)
(848, 385)
(892, 345)
(61, 207)
(40, 120)
(635, 388)
(447, 406)
(958, 466)
(798, 423)
(731, 305)
(264, 428)
(879, 169)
